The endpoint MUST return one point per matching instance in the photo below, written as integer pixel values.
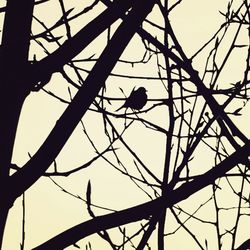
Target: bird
(136, 100)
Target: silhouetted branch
(146, 209)
(244, 246)
(37, 165)
(55, 61)
(194, 111)
(23, 223)
(186, 229)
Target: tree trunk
(13, 91)
(10, 108)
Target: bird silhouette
(136, 100)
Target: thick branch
(72, 47)
(244, 246)
(39, 163)
(147, 209)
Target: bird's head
(142, 90)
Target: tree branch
(72, 47)
(37, 165)
(147, 209)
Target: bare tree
(171, 129)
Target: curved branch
(147, 209)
